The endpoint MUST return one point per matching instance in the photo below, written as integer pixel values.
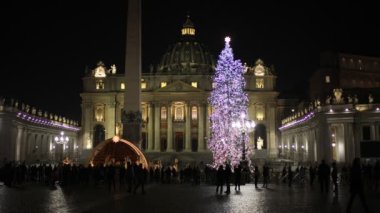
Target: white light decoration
(333, 144)
(302, 147)
(227, 39)
(62, 139)
(377, 109)
(244, 126)
(331, 110)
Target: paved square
(176, 198)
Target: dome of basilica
(187, 56)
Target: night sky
(47, 45)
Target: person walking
(356, 186)
(237, 176)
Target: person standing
(227, 176)
(334, 177)
(324, 176)
(219, 179)
(237, 172)
(356, 185)
(312, 171)
(290, 176)
(265, 175)
(256, 175)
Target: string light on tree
(228, 101)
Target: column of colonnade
(150, 127)
(169, 137)
(157, 145)
(187, 127)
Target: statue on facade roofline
(349, 99)
(338, 96)
(370, 98)
(356, 100)
(328, 100)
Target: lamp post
(62, 140)
(244, 125)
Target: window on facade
(143, 85)
(163, 84)
(213, 85)
(194, 113)
(179, 112)
(122, 86)
(99, 113)
(144, 112)
(327, 79)
(164, 114)
(99, 85)
(194, 84)
(366, 132)
(259, 83)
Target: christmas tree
(229, 102)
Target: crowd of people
(132, 176)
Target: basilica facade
(174, 103)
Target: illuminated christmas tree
(229, 102)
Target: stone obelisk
(131, 115)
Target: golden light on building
(194, 84)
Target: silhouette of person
(265, 176)
(219, 179)
(290, 176)
(227, 176)
(334, 177)
(356, 185)
(324, 175)
(257, 175)
(237, 172)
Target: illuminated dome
(187, 56)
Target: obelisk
(131, 115)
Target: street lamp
(61, 139)
(244, 126)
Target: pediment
(178, 86)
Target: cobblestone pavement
(177, 198)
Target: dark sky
(48, 44)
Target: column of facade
(150, 127)
(18, 143)
(110, 122)
(208, 134)
(169, 128)
(187, 128)
(201, 121)
(157, 145)
(349, 145)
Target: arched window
(163, 113)
(179, 111)
(194, 113)
(99, 135)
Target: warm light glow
(188, 31)
(194, 84)
(143, 85)
(115, 139)
(163, 84)
(122, 86)
(260, 116)
(333, 144)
